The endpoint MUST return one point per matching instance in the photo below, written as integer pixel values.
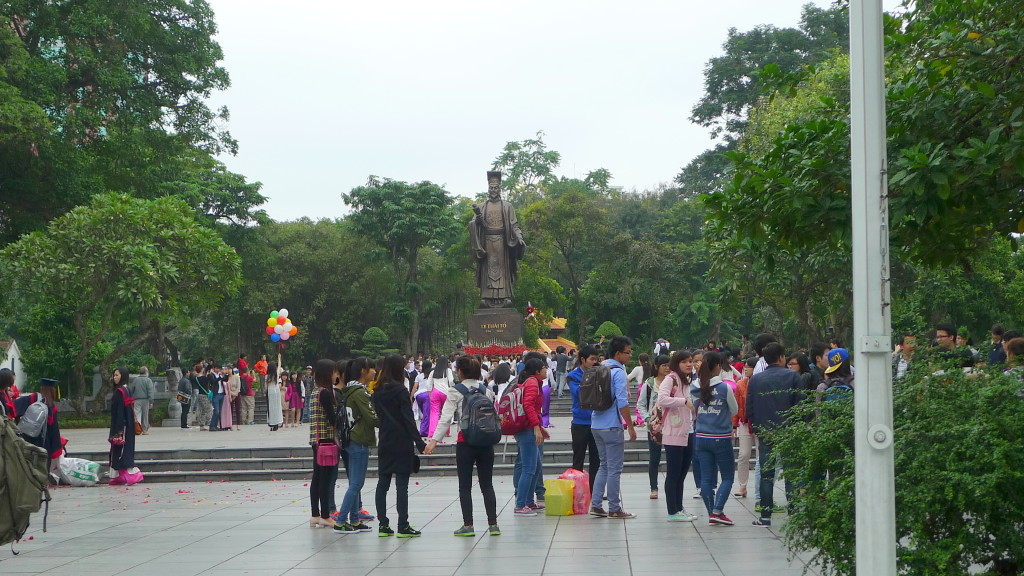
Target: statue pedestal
(501, 326)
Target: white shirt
(423, 384)
(442, 384)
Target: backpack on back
(663, 350)
(343, 426)
(511, 410)
(33, 421)
(596, 388)
(479, 420)
(23, 477)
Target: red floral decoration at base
(495, 350)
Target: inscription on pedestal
(495, 326)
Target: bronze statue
(497, 245)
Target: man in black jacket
(770, 395)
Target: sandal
(741, 494)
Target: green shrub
(607, 329)
(959, 462)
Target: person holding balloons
(275, 412)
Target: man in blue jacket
(770, 394)
(582, 438)
(606, 426)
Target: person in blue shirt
(606, 426)
(582, 439)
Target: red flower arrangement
(495, 350)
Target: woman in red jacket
(530, 439)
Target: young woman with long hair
(745, 436)
(122, 431)
(440, 380)
(647, 402)
(362, 438)
(421, 393)
(395, 447)
(468, 371)
(677, 431)
(295, 400)
(275, 410)
(322, 422)
(715, 406)
(532, 438)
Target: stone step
(224, 464)
(550, 471)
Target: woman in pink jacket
(677, 437)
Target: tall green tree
(527, 166)
(569, 226)
(110, 98)
(404, 219)
(120, 262)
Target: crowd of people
(696, 405)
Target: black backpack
(342, 425)
(663, 350)
(479, 420)
(596, 388)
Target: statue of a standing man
(497, 245)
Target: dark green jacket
(361, 416)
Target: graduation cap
(51, 383)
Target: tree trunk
(172, 350)
(115, 354)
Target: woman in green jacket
(362, 421)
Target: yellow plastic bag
(558, 497)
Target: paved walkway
(260, 528)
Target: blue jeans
(529, 453)
(517, 471)
(218, 403)
(358, 461)
(716, 456)
(611, 447)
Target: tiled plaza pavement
(261, 528)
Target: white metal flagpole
(876, 492)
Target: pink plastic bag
(581, 491)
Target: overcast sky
(325, 93)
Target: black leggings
(677, 462)
(654, 462)
(582, 441)
(465, 457)
(320, 489)
(402, 486)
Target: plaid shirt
(321, 426)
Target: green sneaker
(465, 531)
(383, 531)
(408, 532)
(494, 530)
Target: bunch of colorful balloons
(279, 327)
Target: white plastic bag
(79, 472)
